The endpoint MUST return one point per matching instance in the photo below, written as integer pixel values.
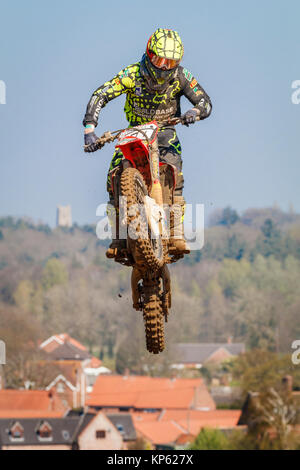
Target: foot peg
(179, 246)
(116, 248)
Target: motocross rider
(153, 90)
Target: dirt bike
(146, 187)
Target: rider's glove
(90, 141)
(189, 117)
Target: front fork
(156, 190)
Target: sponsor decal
(117, 81)
(149, 130)
(138, 90)
(144, 112)
(93, 101)
(187, 74)
(99, 106)
(123, 74)
(199, 92)
(193, 83)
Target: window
(120, 428)
(44, 431)
(66, 435)
(100, 434)
(16, 432)
(60, 388)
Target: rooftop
(143, 392)
(63, 431)
(64, 347)
(201, 352)
(30, 403)
(172, 426)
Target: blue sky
(54, 54)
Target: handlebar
(109, 136)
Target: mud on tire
(143, 248)
(153, 320)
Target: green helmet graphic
(163, 54)
(165, 43)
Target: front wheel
(146, 250)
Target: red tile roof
(55, 341)
(211, 420)
(144, 417)
(68, 339)
(30, 402)
(30, 414)
(215, 418)
(166, 432)
(143, 392)
(181, 426)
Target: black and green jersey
(143, 105)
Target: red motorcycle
(144, 188)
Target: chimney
(287, 383)
(50, 395)
(173, 375)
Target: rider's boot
(117, 244)
(177, 242)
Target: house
(92, 369)
(221, 419)
(63, 347)
(177, 428)
(97, 432)
(160, 435)
(75, 369)
(69, 384)
(105, 431)
(143, 393)
(86, 431)
(195, 355)
(73, 379)
(31, 403)
(123, 422)
(37, 434)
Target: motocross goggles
(162, 63)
